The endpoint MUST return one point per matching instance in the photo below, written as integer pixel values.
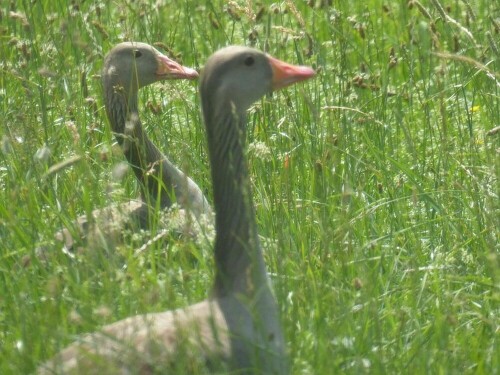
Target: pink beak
(173, 70)
(285, 74)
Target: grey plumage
(127, 68)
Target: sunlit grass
(376, 182)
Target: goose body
(127, 68)
(238, 327)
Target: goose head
(239, 76)
(132, 65)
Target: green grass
(380, 189)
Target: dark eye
(137, 53)
(249, 60)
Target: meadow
(376, 183)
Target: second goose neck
(141, 153)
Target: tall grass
(376, 183)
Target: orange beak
(169, 69)
(285, 74)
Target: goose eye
(249, 61)
(137, 53)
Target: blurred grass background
(377, 182)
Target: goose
(237, 328)
(128, 67)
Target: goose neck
(121, 108)
(238, 257)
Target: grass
(377, 181)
